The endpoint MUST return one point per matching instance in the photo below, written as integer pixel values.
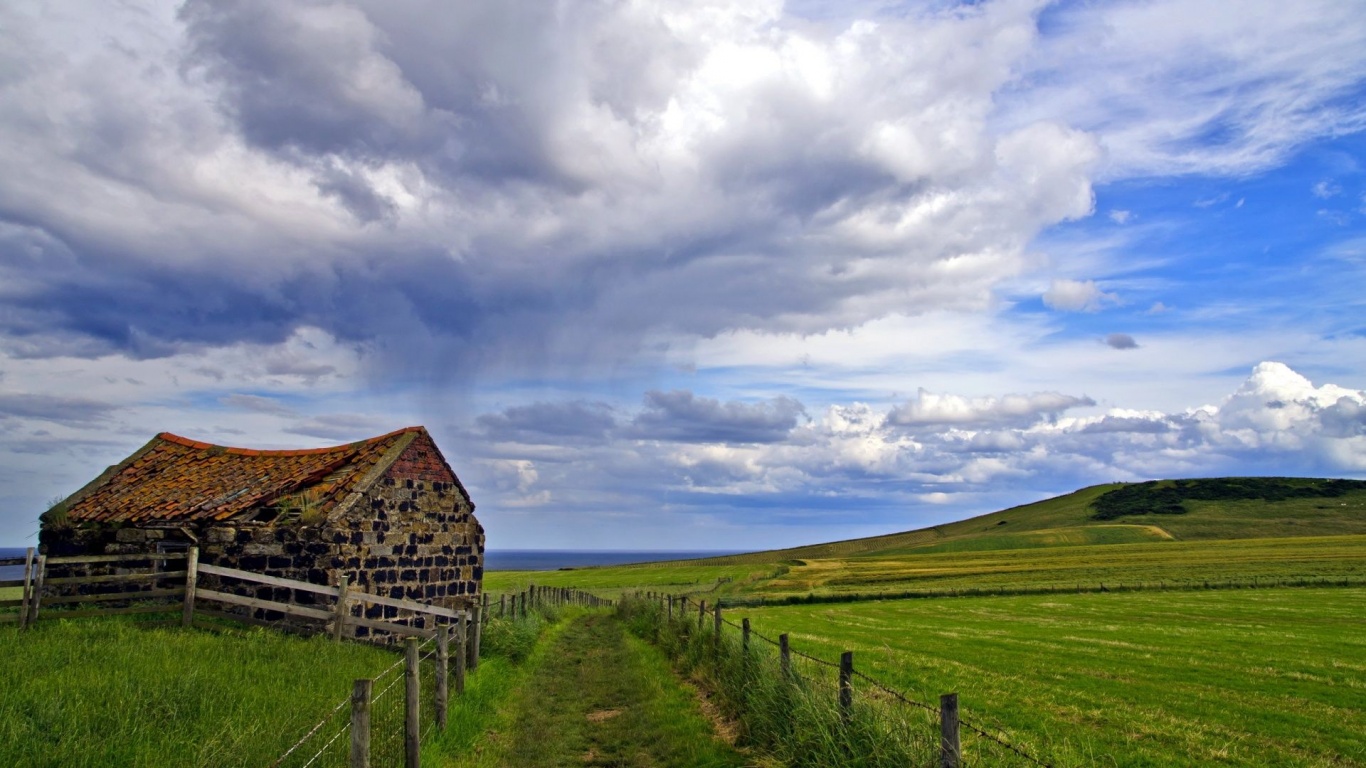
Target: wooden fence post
(191, 577)
(716, 628)
(412, 737)
(476, 633)
(360, 723)
(472, 643)
(846, 686)
(744, 626)
(950, 750)
(28, 589)
(784, 654)
(502, 606)
(701, 613)
(339, 610)
(36, 598)
(671, 607)
(443, 642)
(461, 639)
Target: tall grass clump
(514, 638)
(793, 717)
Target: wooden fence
(388, 730)
(169, 581)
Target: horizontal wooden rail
(116, 577)
(398, 629)
(12, 583)
(410, 605)
(147, 594)
(268, 605)
(76, 559)
(274, 581)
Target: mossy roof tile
(175, 479)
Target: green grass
(595, 696)
(1269, 677)
(1215, 519)
(682, 576)
(112, 691)
(961, 566)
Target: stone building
(388, 513)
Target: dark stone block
(374, 611)
(463, 550)
(338, 562)
(429, 591)
(428, 561)
(460, 587)
(408, 575)
(371, 563)
(390, 612)
(243, 536)
(379, 537)
(316, 576)
(396, 592)
(294, 549)
(284, 534)
(423, 575)
(305, 598)
(353, 563)
(409, 483)
(318, 548)
(441, 561)
(279, 561)
(252, 563)
(403, 506)
(340, 537)
(478, 572)
(410, 550)
(377, 504)
(357, 537)
(447, 549)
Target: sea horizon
(516, 559)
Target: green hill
(1123, 513)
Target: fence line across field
(950, 719)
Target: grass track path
(598, 696)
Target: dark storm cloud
(62, 410)
(681, 416)
(549, 422)
(1121, 341)
(462, 187)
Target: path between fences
(597, 696)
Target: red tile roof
(175, 479)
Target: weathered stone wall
(412, 535)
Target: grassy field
(110, 691)
(1269, 677)
(1057, 566)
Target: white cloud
(1077, 296)
(1326, 189)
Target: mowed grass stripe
(1257, 678)
(597, 696)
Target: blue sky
(714, 275)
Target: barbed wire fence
(387, 718)
(833, 706)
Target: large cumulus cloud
(511, 183)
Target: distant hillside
(1120, 513)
